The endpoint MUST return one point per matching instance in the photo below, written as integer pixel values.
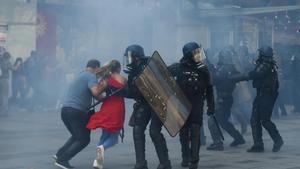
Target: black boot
(139, 146)
(185, 162)
(257, 136)
(216, 147)
(193, 165)
(277, 145)
(185, 146)
(166, 165)
(237, 142)
(141, 166)
(195, 146)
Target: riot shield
(163, 94)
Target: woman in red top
(110, 118)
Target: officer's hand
(210, 113)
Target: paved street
(29, 139)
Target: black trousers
(261, 117)
(189, 135)
(76, 122)
(139, 120)
(223, 114)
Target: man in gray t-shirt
(74, 113)
(79, 95)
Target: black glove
(200, 65)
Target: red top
(111, 115)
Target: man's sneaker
(100, 155)
(237, 142)
(277, 145)
(256, 149)
(55, 159)
(63, 164)
(215, 147)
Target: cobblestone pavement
(29, 139)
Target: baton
(218, 127)
(106, 97)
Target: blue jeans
(108, 139)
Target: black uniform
(265, 80)
(140, 118)
(225, 83)
(194, 79)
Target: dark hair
(114, 65)
(111, 67)
(93, 63)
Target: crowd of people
(30, 82)
(201, 80)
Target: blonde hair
(112, 67)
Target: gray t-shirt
(79, 95)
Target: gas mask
(198, 55)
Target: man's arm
(258, 72)
(98, 89)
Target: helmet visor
(198, 55)
(127, 59)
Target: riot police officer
(265, 80)
(225, 83)
(136, 61)
(193, 77)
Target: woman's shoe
(100, 155)
(96, 165)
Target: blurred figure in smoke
(135, 63)
(5, 66)
(18, 82)
(295, 75)
(193, 77)
(242, 94)
(265, 80)
(224, 82)
(279, 104)
(30, 67)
